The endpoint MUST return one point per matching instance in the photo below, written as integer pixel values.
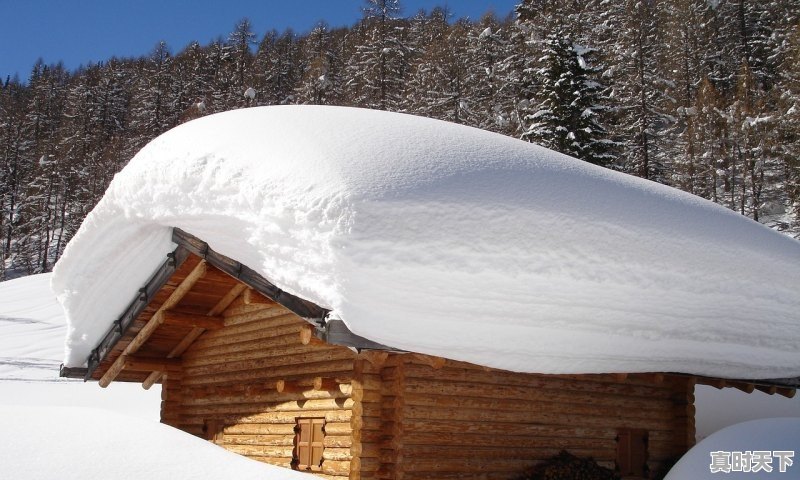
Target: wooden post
(155, 321)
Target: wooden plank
(153, 323)
(145, 364)
(206, 322)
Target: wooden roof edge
(782, 386)
(122, 324)
(72, 372)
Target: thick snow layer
(766, 435)
(447, 240)
(79, 444)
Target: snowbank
(32, 329)
(77, 444)
(447, 240)
(767, 435)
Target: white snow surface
(47, 443)
(32, 329)
(765, 435)
(447, 240)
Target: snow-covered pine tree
(568, 116)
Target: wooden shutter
(309, 443)
(632, 452)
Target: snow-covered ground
(775, 443)
(443, 239)
(63, 443)
(32, 332)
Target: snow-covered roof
(447, 240)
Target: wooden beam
(227, 299)
(786, 392)
(286, 386)
(321, 383)
(152, 379)
(155, 321)
(147, 364)
(220, 307)
(205, 322)
(251, 297)
(308, 336)
(768, 389)
(745, 387)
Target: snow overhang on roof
(442, 239)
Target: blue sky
(83, 31)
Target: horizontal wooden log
(336, 454)
(238, 307)
(201, 356)
(260, 350)
(333, 368)
(310, 356)
(331, 467)
(256, 332)
(507, 452)
(264, 440)
(302, 405)
(148, 364)
(181, 319)
(607, 407)
(252, 428)
(259, 450)
(337, 428)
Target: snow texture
(447, 240)
(46, 443)
(32, 330)
(766, 435)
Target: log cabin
(233, 262)
(271, 376)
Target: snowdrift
(46, 443)
(32, 330)
(768, 435)
(447, 240)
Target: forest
(701, 95)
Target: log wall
(463, 421)
(230, 381)
(406, 416)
